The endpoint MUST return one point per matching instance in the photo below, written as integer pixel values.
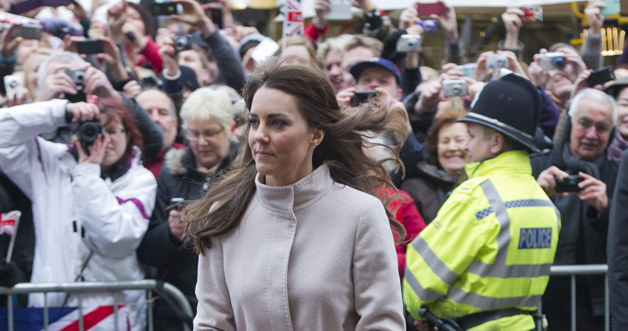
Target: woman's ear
(317, 137)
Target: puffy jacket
(490, 246)
(80, 218)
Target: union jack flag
(293, 18)
(9, 221)
(99, 318)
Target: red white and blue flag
(9, 221)
(99, 318)
(293, 18)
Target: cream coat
(315, 255)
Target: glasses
(115, 131)
(600, 127)
(193, 135)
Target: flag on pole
(293, 18)
(8, 225)
(99, 318)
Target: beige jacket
(314, 255)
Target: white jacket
(74, 210)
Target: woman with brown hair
(293, 237)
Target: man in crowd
(581, 154)
(499, 224)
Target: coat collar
(299, 195)
(511, 162)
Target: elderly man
(162, 111)
(581, 154)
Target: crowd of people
(274, 189)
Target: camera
(77, 76)
(429, 26)
(182, 43)
(409, 43)
(553, 60)
(454, 88)
(569, 184)
(601, 76)
(360, 97)
(496, 61)
(88, 132)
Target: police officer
(484, 261)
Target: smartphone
(427, 9)
(27, 31)
(360, 97)
(340, 11)
(217, 17)
(14, 86)
(266, 49)
(532, 14)
(165, 8)
(601, 76)
(612, 7)
(90, 46)
(175, 204)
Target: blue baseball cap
(357, 68)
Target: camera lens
(559, 62)
(88, 131)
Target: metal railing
(580, 270)
(148, 285)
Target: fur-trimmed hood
(174, 161)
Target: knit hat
(357, 69)
(511, 106)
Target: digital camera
(429, 26)
(553, 60)
(569, 184)
(409, 43)
(496, 61)
(77, 76)
(182, 43)
(88, 132)
(454, 88)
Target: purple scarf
(617, 146)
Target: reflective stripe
(515, 204)
(437, 266)
(456, 294)
(423, 294)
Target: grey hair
(64, 57)
(205, 104)
(593, 94)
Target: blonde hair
(205, 104)
(28, 66)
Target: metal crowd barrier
(100, 287)
(580, 270)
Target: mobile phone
(360, 97)
(601, 76)
(27, 31)
(340, 11)
(569, 184)
(14, 86)
(165, 8)
(427, 9)
(176, 204)
(612, 7)
(266, 49)
(532, 14)
(90, 46)
(217, 17)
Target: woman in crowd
(619, 91)
(91, 203)
(207, 117)
(308, 244)
(444, 168)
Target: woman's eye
(253, 122)
(279, 123)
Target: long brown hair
(342, 150)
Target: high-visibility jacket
(490, 246)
